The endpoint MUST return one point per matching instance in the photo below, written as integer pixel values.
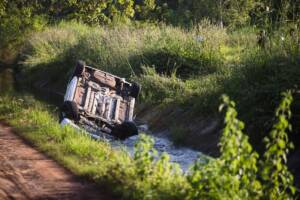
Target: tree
(2, 7)
(144, 9)
(235, 13)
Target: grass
(148, 175)
(126, 177)
(177, 68)
(124, 49)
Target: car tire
(79, 69)
(135, 90)
(69, 110)
(124, 130)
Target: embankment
(182, 77)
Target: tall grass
(124, 49)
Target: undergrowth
(174, 65)
(123, 49)
(183, 69)
(239, 173)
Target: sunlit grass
(95, 160)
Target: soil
(198, 133)
(26, 173)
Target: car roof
(107, 73)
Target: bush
(238, 173)
(160, 88)
(277, 180)
(16, 24)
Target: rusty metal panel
(102, 98)
(105, 79)
(87, 98)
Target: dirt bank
(25, 173)
(200, 133)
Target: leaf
(281, 143)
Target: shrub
(160, 88)
(237, 173)
(233, 174)
(277, 180)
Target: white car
(97, 98)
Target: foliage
(236, 173)
(144, 9)
(2, 7)
(236, 13)
(27, 16)
(17, 22)
(189, 69)
(186, 13)
(277, 180)
(19, 17)
(144, 155)
(147, 175)
(166, 88)
(143, 176)
(232, 13)
(158, 177)
(237, 154)
(229, 12)
(91, 12)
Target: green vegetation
(19, 17)
(124, 49)
(186, 54)
(140, 177)
(239, 173)
(176, 68)
(188, 66)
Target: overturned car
(97, 98)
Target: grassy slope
(148, 176)
(183, 77)
(128, 178)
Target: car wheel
(125, 130)
(79, 69)
(135, 90)
(69, 110)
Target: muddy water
(183, 156)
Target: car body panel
(102, 99)
(71, 89)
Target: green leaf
(281, 143)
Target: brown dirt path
(27, 174)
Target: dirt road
(27, 174)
